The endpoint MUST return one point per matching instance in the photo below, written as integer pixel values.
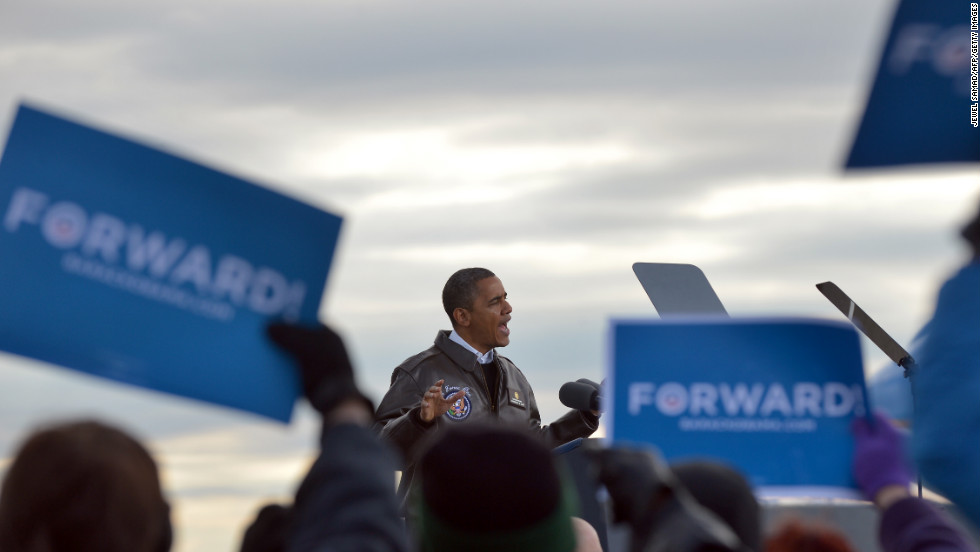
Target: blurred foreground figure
(346, 503)
(662, 514)
(488, 488)
(83, 486)
(726, 493)
(797, 536)
(946, 388)
(908, 524)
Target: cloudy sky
(554, 142)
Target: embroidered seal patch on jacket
(460, 410)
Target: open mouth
(503, 328)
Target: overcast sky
(555, 143)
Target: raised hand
(324, 367)
(434, 405)
(879, 459)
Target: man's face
(485, 323)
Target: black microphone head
(578, 395)
(588, 381)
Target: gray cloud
(505, 45)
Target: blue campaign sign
(129, 263)
(923, 104)
(771, 397)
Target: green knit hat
(486, 488)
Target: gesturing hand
(324, 367)
(434, 405)
(879, 457)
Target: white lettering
(776, 399)
(740, 398)
(806, 399)
(64, 225)
(106, 234)
(232, 277)
(104, 238)
(672, 399)
(194, 268)
(703, 399)
(838, 400)
(25, 206)
(640, 395)
(271, 293)
(294, 300)
(946, 50)
(150, 250)
(913, 43)
(268, 291)
(858, 393)
(952, 51)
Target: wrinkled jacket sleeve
(347, 500)
(397, 419)
(573, 425)
(914, 525)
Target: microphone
(579, 395)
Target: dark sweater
(914, 525)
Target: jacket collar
(462, 357)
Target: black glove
(324, 366)
(268, 532)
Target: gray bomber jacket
(397, 418)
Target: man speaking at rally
(462, 379)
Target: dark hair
(460, 289)
(725, 492)
(83, 486)
(499, 489)
(797, 536)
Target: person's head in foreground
(83, 486)
(799, 536)
(489, 488)
(724, 491)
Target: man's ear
(462, 317)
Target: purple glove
(879, 455)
